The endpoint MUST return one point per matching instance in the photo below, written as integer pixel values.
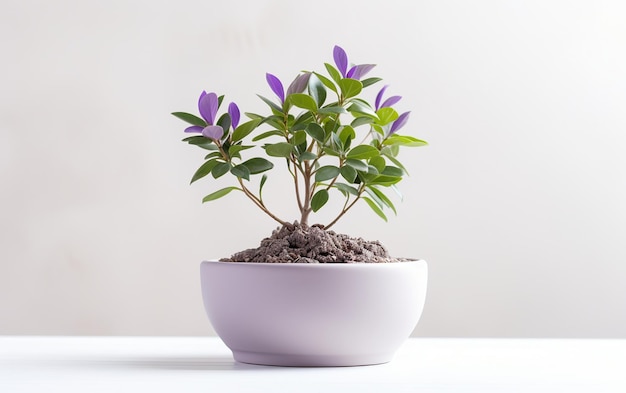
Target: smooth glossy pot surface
(314, 314)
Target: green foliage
(218, 194)
(319, 199)
(191, 119)
(334, 141)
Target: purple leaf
(379, 96)
(276, 86)
(233, 112)
(197, 129)
(213, 132)
(299, 84)
(351, 72)
(208, 107)
(399, 122)
(391, 101)
(200, 99)
(358, 71)
(341, 60)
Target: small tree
(331, 138)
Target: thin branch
(259, 203)
(345, 209)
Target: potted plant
(308, 296)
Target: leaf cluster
(333, 141)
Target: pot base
(269, 359)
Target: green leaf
(306, 156)
(404, 140)
(348, 173)
(258, 165)
(271, 104)
(359, 108)
(218, 194)
(220, 170)
(281, 149)
(245, 129)
(370, 81)
(275, 121)
(204, 170)
(395, 161)
(327, 82)
(298, 138)
(393, 171)
(191, 119)
(372, 170)
(326, 173)
(215, 154)
(319, 199)
(386, 115)
(317, 90)
(234, 150)
(261, 184)
(378, 163)
(336, 141)
(375, 208)
(304, 119)
(384, 180)
(382, 197)
(224, 122)
(201, 141)
(330, 110)
(363, 152)
(346, 189)
(241, 171)
(331, 152)
(316, 132)
(267, 134)
(346, 135)
(332, 71)
(357, 164)
(375, 198)
(253, 116)
(303, 101)
(361, 120)
(350, 87)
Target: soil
(304, 244)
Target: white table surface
(204, 364)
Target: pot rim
(338, 265)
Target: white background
(517, 204)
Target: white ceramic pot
(314, 314)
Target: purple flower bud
(213, 132)
(207, 105)
(276, 86)
(197, 129)
(299, 84)
(233, 112)
(399, 122)
(341, 60)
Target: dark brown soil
(303, 244)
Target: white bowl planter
(314, 314)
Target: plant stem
(305, 210)
(259, 203)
